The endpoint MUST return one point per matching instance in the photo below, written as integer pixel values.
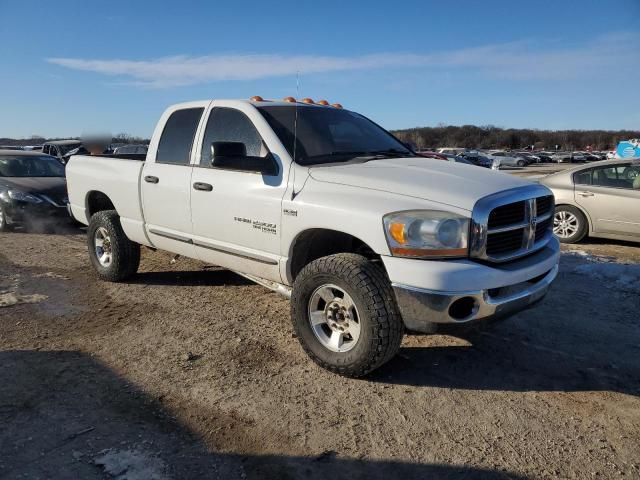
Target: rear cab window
(178, 135)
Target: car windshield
(30, 166)
(328, 135)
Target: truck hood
(438, 181)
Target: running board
(275, 286)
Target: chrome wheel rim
(334, 318)
(565, 224)
(1, 217)
(102, 247)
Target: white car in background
(505, 160)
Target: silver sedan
(601, 199)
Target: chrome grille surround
(480, 232)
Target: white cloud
(519, 60)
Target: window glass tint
(230, 125)
(617, 176)
(177, 137)
(328, 135)
(582, 178)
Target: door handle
(204, 187)
(151, 179)
(586, 194)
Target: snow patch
(8, 299)
(625, 277)
(131, 465)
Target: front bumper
(473, 291)
(20, 212)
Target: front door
(236, 214)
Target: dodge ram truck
(367, 239)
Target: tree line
(490, 136)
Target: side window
(230, 125)
(45, 149)
(616, 176)
(177, 137)
(582, 178)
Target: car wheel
(569, 224)
(113, 256)
(521, 163)
(345, 315)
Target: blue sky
(74, 67)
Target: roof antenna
(295, 136)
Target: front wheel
(521, 163)
(113, 256)
(569, 224)
(345, 315)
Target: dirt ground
(189, 371)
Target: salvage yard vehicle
(60, 148)
(599, 200)
(33, 189)
(324, 206)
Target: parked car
(367, 239)
(59, 148)
(599, 200)
(129, 149)
(507, 160)
(477, 159)
(32, 189)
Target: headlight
(427, 233)
(23, 197)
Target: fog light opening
(463, 308)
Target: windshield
(327, 135)
(28, 166)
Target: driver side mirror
(233, 156)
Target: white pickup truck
(324, 206)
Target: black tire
(125, 253)
(582, 224)
(381, 326)
(521, 163)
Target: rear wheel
(113, 256)
(569, 224)
(344, 314)
(521, 163)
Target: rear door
(237, 217)
(612, 199)
(166, 177)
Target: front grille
(503, 242)
(543, 227)
(507, 215)
(504, 230)
(544, 205)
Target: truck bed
(115, 177)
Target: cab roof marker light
(308, 100)
(256, 98)
(289, 99)
(323, 102)
(336, 105)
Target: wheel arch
(97, 201)
(314, 243)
